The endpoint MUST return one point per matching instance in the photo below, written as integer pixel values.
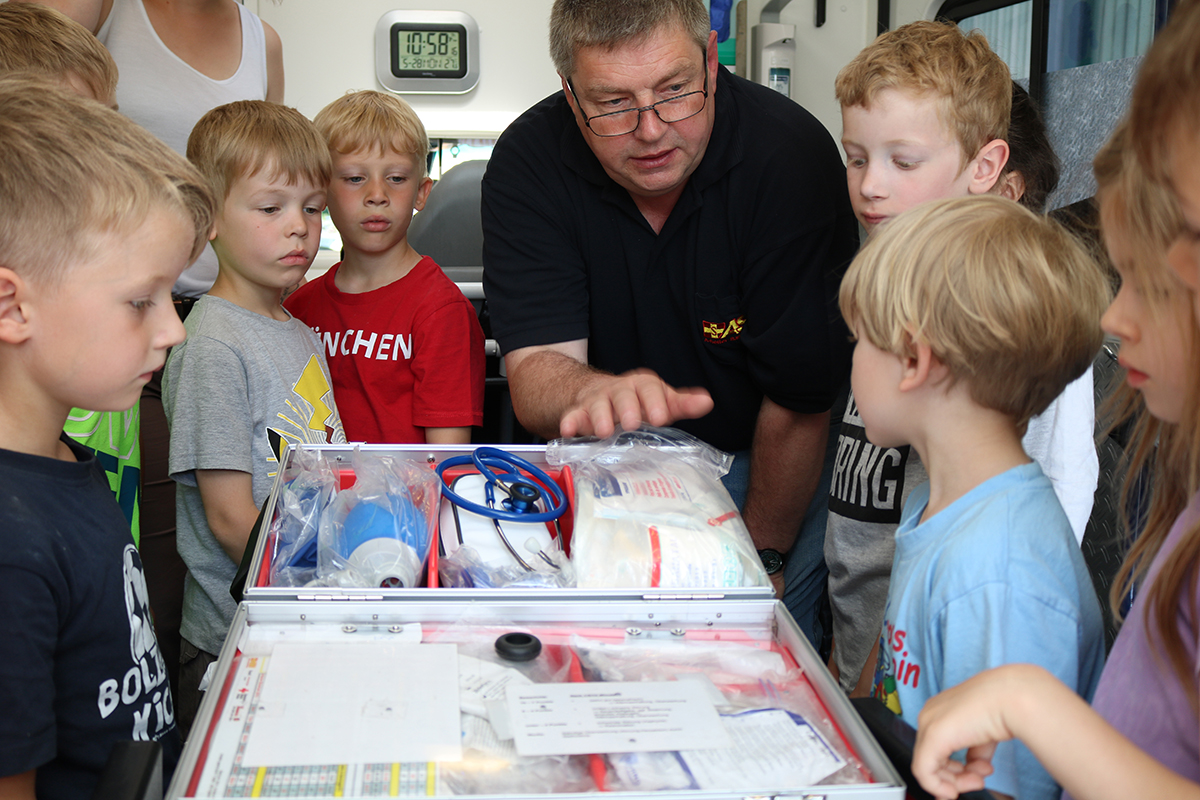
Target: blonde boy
(925, 115)
(100, 218)
(251, 378)
(40, 40)
(405, 348)
(971, 315)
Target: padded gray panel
(1083, 105)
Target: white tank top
(167, 96)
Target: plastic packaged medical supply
(483, 552)
(377, 532)
(308, 488)
(464, 569)
(491, 764)
(781, 732)
(650, 511)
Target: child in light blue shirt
(971, 316)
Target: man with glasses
(663, 224)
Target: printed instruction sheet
(618, 717)
(771, 748)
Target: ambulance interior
(1071, 55)
(1077, 58)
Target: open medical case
(427, 692)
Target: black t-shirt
(80, 668)
(737, 293)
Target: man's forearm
(555, 393)
(786, 459)
(544, 385)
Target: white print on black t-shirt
(868, 481)
(144, 683)
(381, 347)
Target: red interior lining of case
(562, 477)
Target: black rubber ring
(518, 646)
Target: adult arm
(274, 48)
(786, 458)
(18, 787)
(229, 508)
(556, 393)
(88, 13)
(1085, 754)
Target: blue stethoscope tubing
(500, 468)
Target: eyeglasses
(620, 123)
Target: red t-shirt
(404, 357)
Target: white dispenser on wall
(773, 51)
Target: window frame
(1039, 44)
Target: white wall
(850, 25)
(821, 52)
(329, 48)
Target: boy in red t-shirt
(405, 349)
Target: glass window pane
(1009, 31)
(1092, 31)
(1081, 32)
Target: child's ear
(987, 166)
(1183, 263)
(1011, 186)
(423, 194)
(212, 232)
(14, 322)
(918, 366)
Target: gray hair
(610, 23)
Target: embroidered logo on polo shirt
(721, 332)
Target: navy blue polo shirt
(737, 293)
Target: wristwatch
(772, 560)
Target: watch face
(772, 560)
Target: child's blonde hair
(71, 170)
(34, 38)
(371, 120)
(238, 140)
(971, 83)
(1007, 300)
(1165, 108)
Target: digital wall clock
(427, 52)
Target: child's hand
(970, 715)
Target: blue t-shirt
(994, 578)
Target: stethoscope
(503, 471)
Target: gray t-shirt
(240, 388)
(870, 485)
